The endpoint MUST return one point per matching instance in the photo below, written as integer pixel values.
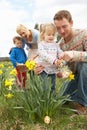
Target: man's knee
(82, 68)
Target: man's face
(64, 27)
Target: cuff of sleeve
(77, 56)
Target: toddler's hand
(59, 63)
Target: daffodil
(30, 64)
(12, 79)
(1, 66)
(13, 72)
(8, 82)
(71, 76)
(1, 72)
(10, 88)
(9, 95)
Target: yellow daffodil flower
(12, 79)
(13, 72)
(1, 72)
(10, 88)
(8, 83)
(1, 66)
(71, 76)
(30, 64)
(9, 95)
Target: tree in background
(58, 37)
(36, 26)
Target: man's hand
(67, 56)
(59, 63)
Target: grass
(17, 119)
(63, 121)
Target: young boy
(18, 58)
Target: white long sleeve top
(48, 52)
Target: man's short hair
(63, 14)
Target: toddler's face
(49, 36)
(18, 43)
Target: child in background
(18, 58)
(48, 53)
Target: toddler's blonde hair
(47, 27)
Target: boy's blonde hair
(17, 38)
(47, 27)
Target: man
(74, 45)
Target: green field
(27, 109)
